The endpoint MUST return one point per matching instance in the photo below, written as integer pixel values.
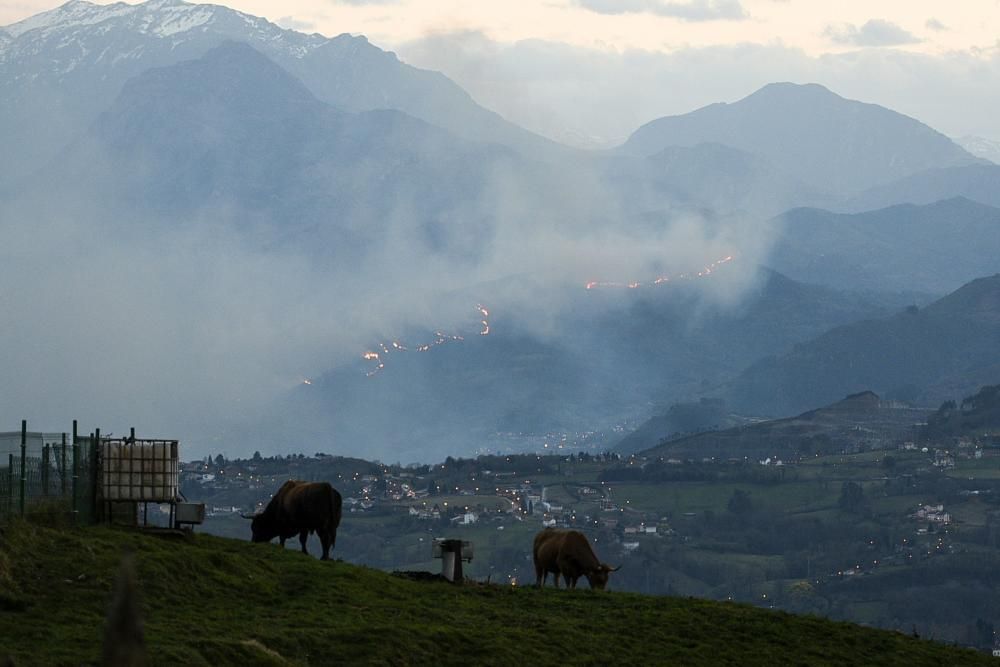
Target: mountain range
(933, 248)
(833, 144)
(233, 135)
(774, 150)
(921, 355)
(152, 119)
(979, 182)
(61, 68)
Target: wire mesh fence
(51, 474)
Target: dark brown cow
(568, 552)
(300, 508)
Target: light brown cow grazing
(568, 552)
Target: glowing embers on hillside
(373, 356)
(485, 321)
(595, 284)
(377, 357)
(440, 338)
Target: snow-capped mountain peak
(78, 21)
(75, 12)
(61, 68)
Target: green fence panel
(37, 476)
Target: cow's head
(599, 578)
(263, 528)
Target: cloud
(875, 33)
(934, 24)
(690, 10)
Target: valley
(871, 531)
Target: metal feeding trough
(452, 552)
(189, 514)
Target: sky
(589, 72)
(925, 26)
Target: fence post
(62, 469)
(95, 446)
(24, 469)
(45, 468)
(10, 479)
(76, 475)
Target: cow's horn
(248, 516)
(612, 569)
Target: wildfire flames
(377, 358)
(374, 356)
(594, 284)
(440, 338)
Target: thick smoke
(187, 329)
(195, 325)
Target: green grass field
(215, 601)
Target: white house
(465, 519)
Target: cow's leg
(555, 578)
(303, 536)
(540, 575)
(282, 541)
(571, 582)
(325, 540)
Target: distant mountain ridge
(978, 182)
(933, 248)
(59, 70)
(923, 355)
(233, 134)
(838, 145)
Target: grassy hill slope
(219, 601)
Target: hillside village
(468, 493)
(461, 492)
(500, 489)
